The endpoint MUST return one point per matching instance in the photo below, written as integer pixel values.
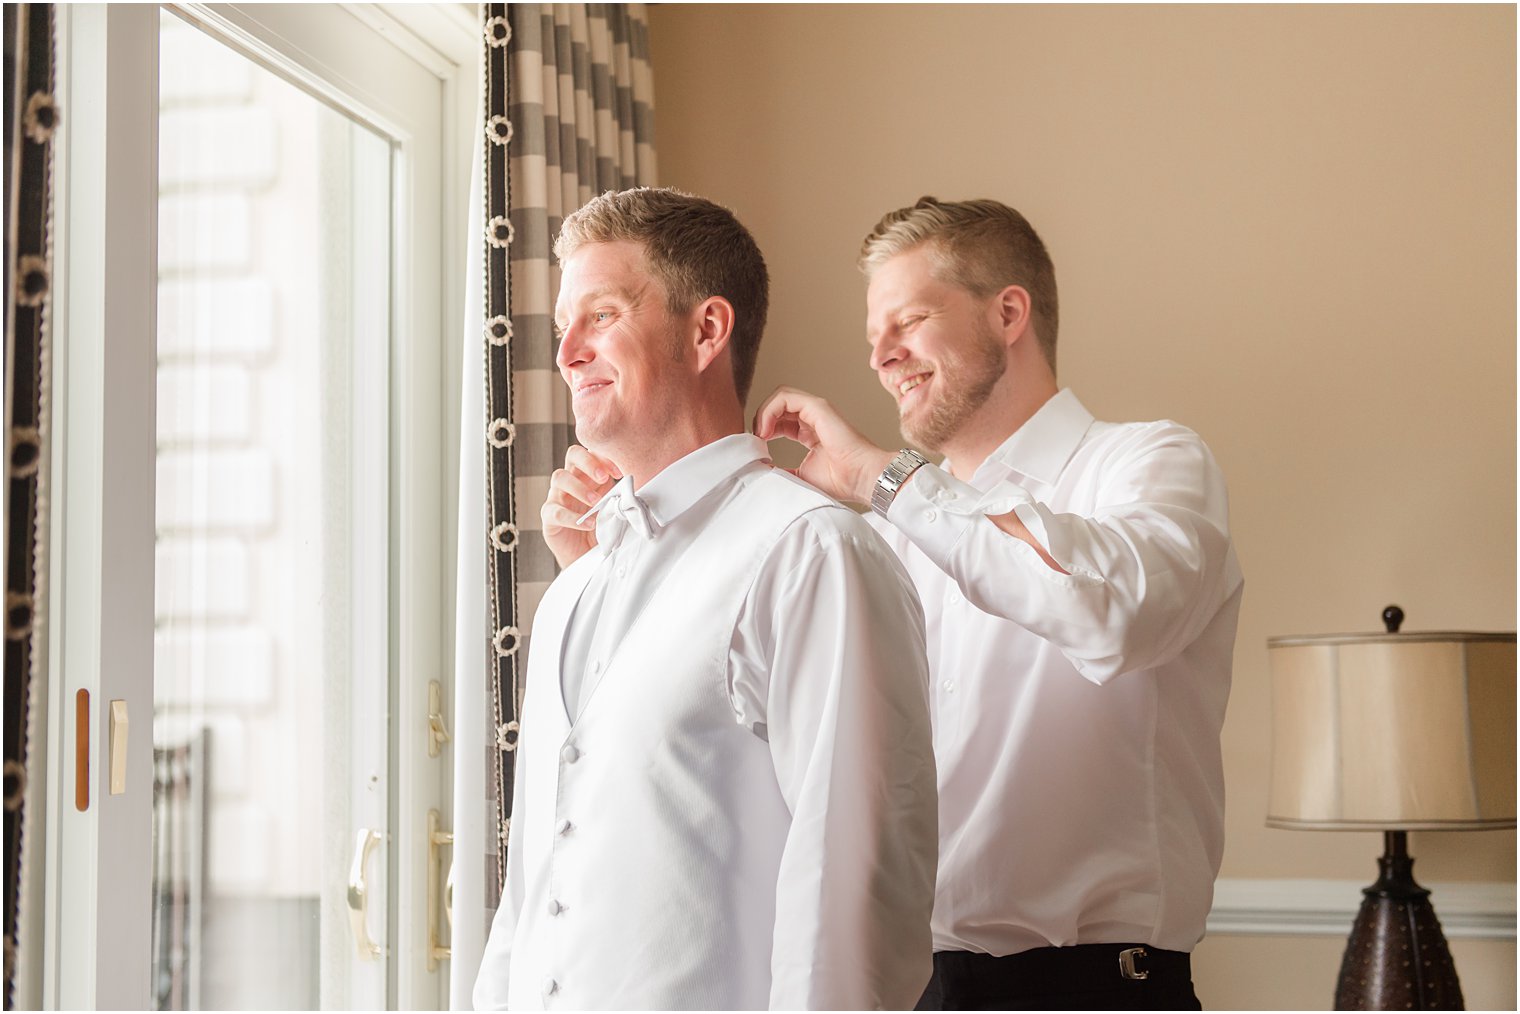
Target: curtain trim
(32, 119)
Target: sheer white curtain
(474, 859)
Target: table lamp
(1394, 732)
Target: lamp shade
(1410, 731)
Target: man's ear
(1012, 307)
(714, 320)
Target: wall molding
(1468, 911)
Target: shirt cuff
(934, 508)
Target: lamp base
(1397, 958)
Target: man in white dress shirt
(1081, 594)
(725, 791)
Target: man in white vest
(725, 790)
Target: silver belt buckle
(1127, 963)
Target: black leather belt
(1101, 965)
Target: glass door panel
(271, 657)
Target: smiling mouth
(585, 387)
(912, 384)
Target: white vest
(656, 767)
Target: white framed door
(261, 226)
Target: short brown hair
(982, 245)
(696, 248)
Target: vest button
(570, 754)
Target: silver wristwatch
(892, 478)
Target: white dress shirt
(1076, 717)
(729, 803)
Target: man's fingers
(560, 495)
(791, 428)
(805, 418)
(594, 466)
(783, 402)
(560, 516)
(563, 510)
(764, 425)
(575, 487)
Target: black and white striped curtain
(568, 114)
(31, 122)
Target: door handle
(438, 839)
(82, 751)
(358, 894)
(119, 727)
(438, 732)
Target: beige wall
(1292, 229)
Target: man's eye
(601, 315)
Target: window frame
(97, 864)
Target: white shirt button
(955, 598)
(555, 907)
(949, 686)
(622, 571)
(564, 827)
(931, 515)
(569, 754)
(550, 986)
(596, 666)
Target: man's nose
(886, 353)
(572, 349)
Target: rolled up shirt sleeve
(1149, 564)
(830, 667)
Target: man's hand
(840, 461)
(573, 490)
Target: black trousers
(1086, 977)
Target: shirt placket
(949, 689)
(613, 623)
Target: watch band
(892, 478)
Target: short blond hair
(981, 245)
(696, 248)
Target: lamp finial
(1393, 618)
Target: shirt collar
(678, 487)
(1041, 447)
